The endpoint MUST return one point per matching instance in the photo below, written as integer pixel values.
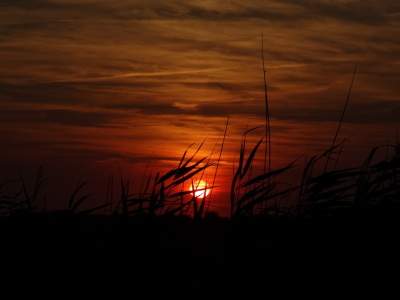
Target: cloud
(362, 111)
(59, 116)
(197, 58)
(364, 12)
(149, 108)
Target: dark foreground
(61, 255)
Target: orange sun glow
(200, 187)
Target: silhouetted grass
(339, 234)
(318, 192)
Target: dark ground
(60, 255)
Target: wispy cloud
(122, 78)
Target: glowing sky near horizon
(88, 86)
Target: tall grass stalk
(341, 118)
(267, 152)
(218, 162)
(109, 194)
(74, 203)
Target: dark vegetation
(339, 235)
(342, 234)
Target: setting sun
(199, 187)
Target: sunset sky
(88, 88)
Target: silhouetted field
(65, 254)
(339, 236)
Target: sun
(200, 187)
